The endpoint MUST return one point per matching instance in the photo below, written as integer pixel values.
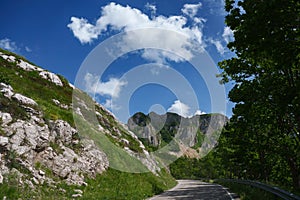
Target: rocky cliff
(40, 142)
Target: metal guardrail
(274, 190)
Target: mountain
(193, 136)
(57, 143)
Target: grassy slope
(111, 184)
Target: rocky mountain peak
(157, 130)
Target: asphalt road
(193, 189)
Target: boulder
(51, 77)
(24, 100)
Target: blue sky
(59, 36)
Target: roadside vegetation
(247, 192)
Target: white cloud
(220, 48)
(191, 9)
(125, 18)
(198, 20)
(199, 112)
(83, 30)
(8, 45)
(179, 108)
(152, 8)
(216, 7)
(228, 34)
(110, 88)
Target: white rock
(44, 133)
(7, 90)
(64, 106)
(35, 181)
(75, 142)
(5, 118)
(3, 141)
(1, 179)
(83, 105)
(32, 134)
(64, 131)
(84, 183)
(28, 67)
(18, 137)
(65, 172)
(100, 128)
(24, 100)
(8, 58)
(20, 150)
(124, 141)
(56, 102)
(78, 111)
(51, 77)
(35, 119)
(78, 191)
(59, 104)
(62, 190)
(98, 114)
(42, 173)
(30, 184)
(72, 86)
(76, 195)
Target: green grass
(42, 91)
(112, 184)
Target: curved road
(194, 189)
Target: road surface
(194, 189)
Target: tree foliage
(262, 139)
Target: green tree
(264, 130)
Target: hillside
(47, 151)
(193, 136)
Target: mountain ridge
(191, 132)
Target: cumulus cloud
(199, 112)
(8, 45)
(179, 108)
(111, 88)
(83, 30)
(191, 9)
(228, 34)
(125, 18)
